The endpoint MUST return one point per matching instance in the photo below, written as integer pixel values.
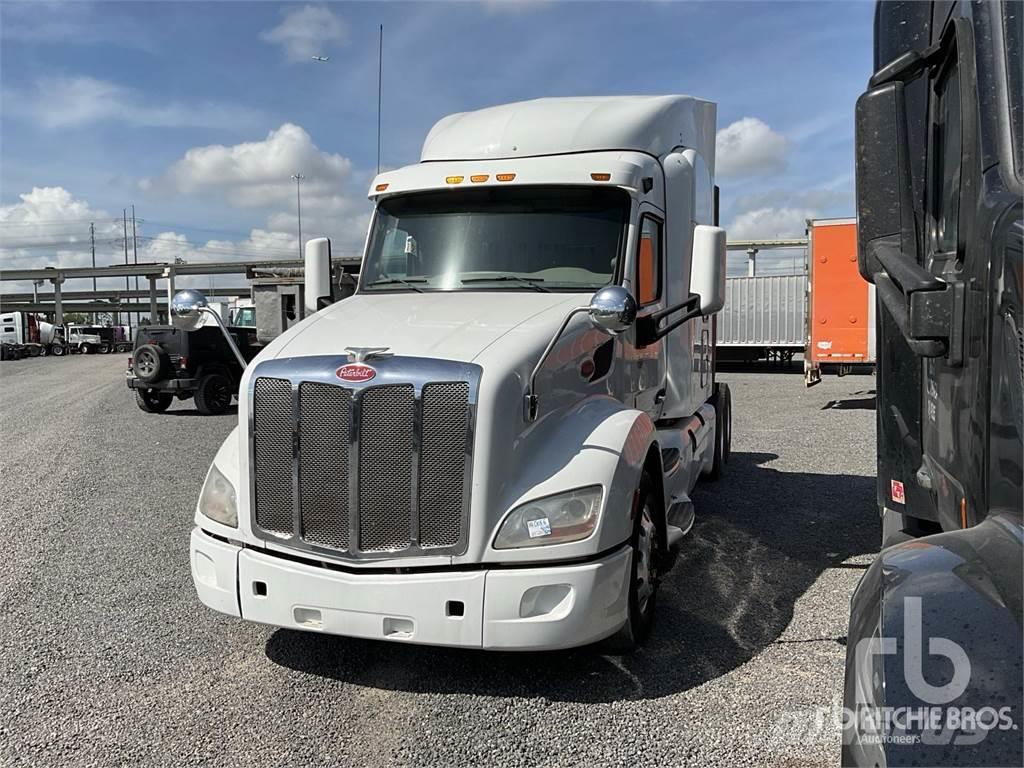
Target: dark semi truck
(934, 651)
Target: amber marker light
(600, 176)
(504, 176)
(453, 179)
(381, 187)
(479, 177)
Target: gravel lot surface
(107, 657)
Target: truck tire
(723, 430)
(643, 582)
(104, 349)
(213, 395)
(33, 351)
(152, 401)
(57, 350)
(150, 362)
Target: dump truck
(934, 653)
(493, 443)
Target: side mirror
(885, 215)
(612, 309)
(707, 268)
(187, 309)
(318, 275)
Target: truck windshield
(520, 239)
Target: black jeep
(169, 362)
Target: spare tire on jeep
(150, 362)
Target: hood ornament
(362, 354)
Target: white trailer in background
(765, 317)
(493, 443)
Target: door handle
(659, 398)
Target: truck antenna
(380, 70)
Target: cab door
(645, 365)
(954, 385)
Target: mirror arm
(530, 401)
(647, 326)
(227, 336)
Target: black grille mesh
(384, 462)
(443, 463)
(385, 468)
(272, 430)
(324, 418)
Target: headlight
(217, 501)
(553, 520)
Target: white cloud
(258, 174)
(770, 223)
(749, 147)
(68, 102)
(305, 32)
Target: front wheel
(152, 401)
(213, 395)
(643, 582)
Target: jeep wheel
(646, 560)
(149, 362)
(152, 401)
(213, 395)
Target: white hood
(451, 325)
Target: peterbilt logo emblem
(355, 372)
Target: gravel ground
(107, 657)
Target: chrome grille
(272, 454)
(385, 468)
(443, 463)
(371, 470)
(324, 419)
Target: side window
(648, 261)
(947, 153)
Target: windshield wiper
(527, 282)
(408, 282)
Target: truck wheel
(33, 351)
(213, 395)
(57, 350)
(104, 349)
(149, 362)
(643, 582)
(152, 401)
(723, 430)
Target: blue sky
(195, 111)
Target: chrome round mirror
(187, 309)
(613, 309)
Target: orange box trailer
(840, 303)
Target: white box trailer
(492, 444)
(765, 317)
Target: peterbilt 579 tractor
(493, 443)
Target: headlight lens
(556, 519)
(217, 501)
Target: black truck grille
(381, 471)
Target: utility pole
(298, 199)
(127, 282)
(135, 249)
(92, 242)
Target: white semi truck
(493, 442)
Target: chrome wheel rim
(646, 547)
